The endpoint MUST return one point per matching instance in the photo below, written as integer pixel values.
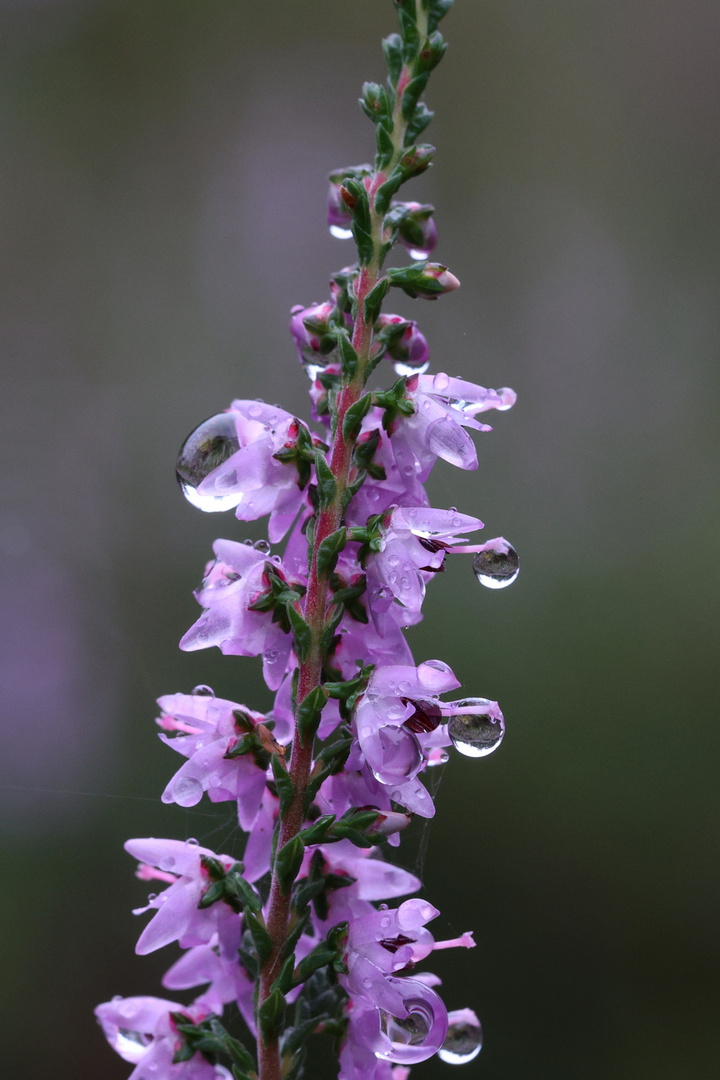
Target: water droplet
(476, 726)
(340, 233)
(418, 254)
(496, 567)
(202, 691)
(402, 756)
(152, 1066)
(167, 862)
(386, 921)
(187, 791)
(462, 1044)
(441, 381)
(384, 907)
(262, 546)
(151, 896)
(408, 369)
(367, 983)
(207, 447)
(192, 841)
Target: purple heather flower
(177, 916)
(143, 1032)
(215, 963)
(258, 849)
(232, 583)
(207, 731)
(398, 707)
(410, 349)
(443, 407)
(414, 542)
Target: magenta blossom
(177, 915)
(442, 408)
(232, 583)
(414, 542)
(142, 1031)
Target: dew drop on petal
(187, 791)
(192, 841)
(476, 726)
(498, 566)
(202, 691)
(167, 863)
(412, 1031)
(441, 382)
(462, 1044)
(207, 447)
(262, 546)
(340, 233)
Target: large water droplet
(187, 791)
(418, 1035)
(463, 1042)
(476, 726)
(497, 566)
(412, 1031)
(402, 756)
(208, 446)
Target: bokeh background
(163, 184)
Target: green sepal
(239, 893)
(412, 92)
(324, 953)
(287, 863)
(348, 356)
(385, 146)
(347, 693)
(271, 1016)
(309, 711)
(316, 833)
(298, 927)
(353, 825)
(328, 762)
(261, 937)
(214, 868)
(431, 53)
(393, 48)
(375, 101)
(283, 783)
(294, 1037)
(414, 161)
(301, 632)
(329, 549)
(284, 982)
(326, 484)
(418, 122)
(437, 10)
(374, 299)
(394, 402)
(212, 895)
(352, 421)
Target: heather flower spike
(305, 926)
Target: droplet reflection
(497, 565)
(476, 726)
(207, 447)
(464, 1039)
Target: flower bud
(339, 216)
(427, 280)
(404, 343)
(312, 331)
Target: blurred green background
(163, 184)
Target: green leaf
(301, 632)
(237, 886)
(393, 49)
(212, 895)
(308, 713)
(330, 548)
(355, 415)
(240, 1074)
(284, 981)
(260, 936)
(348, 356)
(374, 299)
(287, 863)
(316, 833)
(283, 783)
(271, 1015)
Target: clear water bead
(410, 369)
(207, 447)
(463, 1042)
(497, 565)
(201, 690)
(476, 726)
(187, 791)
(340, 233)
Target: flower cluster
(309, 928)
